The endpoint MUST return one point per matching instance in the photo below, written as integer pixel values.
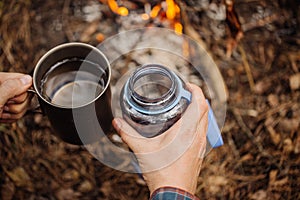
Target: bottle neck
(153, 87)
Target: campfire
(175, 15)
(165, 12)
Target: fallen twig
(248, 132)
(65, 13)
(275, 110)
(260, 22)
(233, 147)
(247, 67)
(234, 27)
(188, 28)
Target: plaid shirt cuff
(171, 193)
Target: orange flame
(178, 28)
(113, 5)
(177, 9)
(123, 11)
(155, 10)
(171, 11)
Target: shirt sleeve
(171, 193)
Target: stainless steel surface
(76, 124)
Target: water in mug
(73, 82)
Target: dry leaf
(67, 194)
(85, 186)
(7, 190)
(288, 146)
(20, 177)
(215, 183)
(71, 175)
(269, 121)
(281, 182)
(273, 100)
(106, 188)
(295, 81)
(275, 137)
(289, 125)
(297, 145)
(262, 87)
(246, 157)
(259, 195)
(272, 176)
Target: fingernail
(26, 79)
(6, 108)
(6, 116)
(10, 102)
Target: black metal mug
(75, 123)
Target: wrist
(173, 181)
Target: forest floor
(258, 56)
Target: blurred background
(255, 44)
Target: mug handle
(35, 108)
(213, 134)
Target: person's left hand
(13, 96)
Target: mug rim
(61, 46)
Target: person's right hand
(13, 96)
(173, 158)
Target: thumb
(127, 133)
(13, 87)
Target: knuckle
(14, 109)
(9, 87)
(17, 108)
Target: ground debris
(260, 158)
(295, 81)
(20, 178)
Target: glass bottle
(154, 98)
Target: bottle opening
(152, 84)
